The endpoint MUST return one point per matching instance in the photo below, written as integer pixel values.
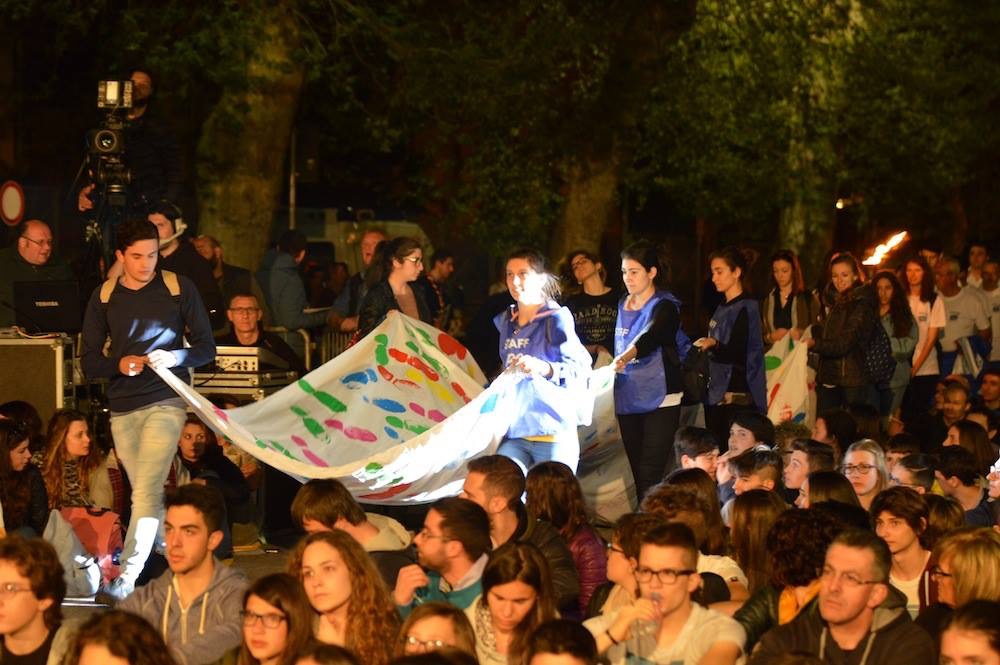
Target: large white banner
(397, 416)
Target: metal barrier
(332, 343)
(306, 338)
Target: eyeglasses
(612, 548)
(425, 534)
(851, 580)
(40, 243)
(426, 645)
(271, 620)
(861, 469)
(666, 576)
(8, 589)
(937, 573)
(246, 311)
(415, 260)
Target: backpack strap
(106, 288)
(173, 284)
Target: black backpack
(695, 370)
(876, 353)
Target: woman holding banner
(736, 347)
(538, 338)
(789, 308)
(648, 386)
(396, 265)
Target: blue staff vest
(720, 328)
(642, 386)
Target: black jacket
(893, 639)
(759, 613)
(841, 340)
(379, 300)
(544, 536)
(185, 260)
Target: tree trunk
(591, 203)
(243, 145)
(807, 221)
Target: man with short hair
(196, 605)
(561, 642)
(32, 589)
(756, 469)
(440, 298)
(148, 314)
(959, 478)
(348, 303)
(696, 448)
(324, 504)
(900, 517)
(278, 277)
(749, 430)
(807, 456)
(245, 314)
(860, 617)
(932, 429)
(230, 279)
(664, 625)
(496, 483)
(452, 551)
(989, 388)
(991, 292)
(966, 315)
(29, 260)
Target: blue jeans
(565, 449)
(145, 442)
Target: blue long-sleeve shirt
(140, 321)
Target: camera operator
(151, 154)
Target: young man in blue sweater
(453, 548)
(146, 313)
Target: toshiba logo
(46, 303)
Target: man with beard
(232, 280)
(151, 153)
(198, 603)
(452, 550)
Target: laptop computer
(48, 306)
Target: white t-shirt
(927, 317)
(723, 566)
(910, 589)
(704, 629)
(993, 308)
(966, 314)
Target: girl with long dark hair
(736, 347)
(538, 338)
(788, 309)
(931, 318)
(901, 327)
(76, 472)
(648, 386)
(22, 489)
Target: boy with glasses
(664, 625)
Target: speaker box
(38, 371)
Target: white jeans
(145, 442)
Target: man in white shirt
(966, 315)
(663, 625)
(991, 275)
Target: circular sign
(11, 203)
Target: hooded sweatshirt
(202, 632)
(892, 639)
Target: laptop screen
(48, 307)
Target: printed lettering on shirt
(922, 318)
(515, 343)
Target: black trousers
(649, 444)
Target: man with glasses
(452, 551)
(31, 591)
(197, 604)
(29, 260)
(664, 625)
(860, 617)
(244, 314)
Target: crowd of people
(870, 537)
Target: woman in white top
(929, 312)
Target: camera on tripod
(106, 145)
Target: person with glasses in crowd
(389, 279)
(32, 589)
(245, 329)
(29, 260)
(861, 617)
(277, 621)
(864, 468)
(434, 626)
(664, 625)
(452, 551)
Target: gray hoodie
(203, 632)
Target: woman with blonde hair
(76, 472)
(966, 568)
(864, 467)
(433, 626)
(353, 607)
(517, 597)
